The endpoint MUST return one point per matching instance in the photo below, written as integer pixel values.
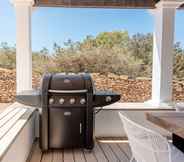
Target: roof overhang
(182, 6)
(144, 4)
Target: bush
(114, 52)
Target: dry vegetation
(116, 60)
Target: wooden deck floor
(103, 152)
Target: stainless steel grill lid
(67, 82)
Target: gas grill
(67, 116)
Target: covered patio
(164, 21)
(20, 123)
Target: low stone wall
(132, 90)
(8, 85)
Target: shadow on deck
(104, 151)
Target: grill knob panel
(51, 101)
(83, 101)
(61, 101)
(72, 100)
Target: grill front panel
(66, 127)
(67, 100)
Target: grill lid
(62, 84)
(67, 82)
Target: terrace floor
(104, 151)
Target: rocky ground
(8, 85)
(132, 90)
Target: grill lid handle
(68, 91)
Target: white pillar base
(156, 104)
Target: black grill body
(68, 104)
(67, 124)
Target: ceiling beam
(145, 4)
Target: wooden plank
(17, 144)
(99, 154)
(57, 156)
(68, 155)
(9, 116)
(108, 152)
(113, 152)
(6, 141)
(36, 153)
(89, 156)
(47, 156)
(126, 149)
(12, 135)
(182, 6)
(9, 108)
(98, 3)
(7, 111)
(171, 121)
(79, 155)
(122, 157)
(7, 126)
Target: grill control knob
(61, 100)
(51, 101)
(108, 99)
(72, 100)
(83, 101)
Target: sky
(51, 25)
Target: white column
(23, 44)
(164, 16)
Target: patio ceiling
(182, 6)
(98, 3)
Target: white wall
(108, 123)
(20, 148)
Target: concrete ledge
(138, 107)
(108, 123)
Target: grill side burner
(67, 102)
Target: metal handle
(80, 128)
(68, 91)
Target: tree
(114, 52)
(7, 56)
(178, 69)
